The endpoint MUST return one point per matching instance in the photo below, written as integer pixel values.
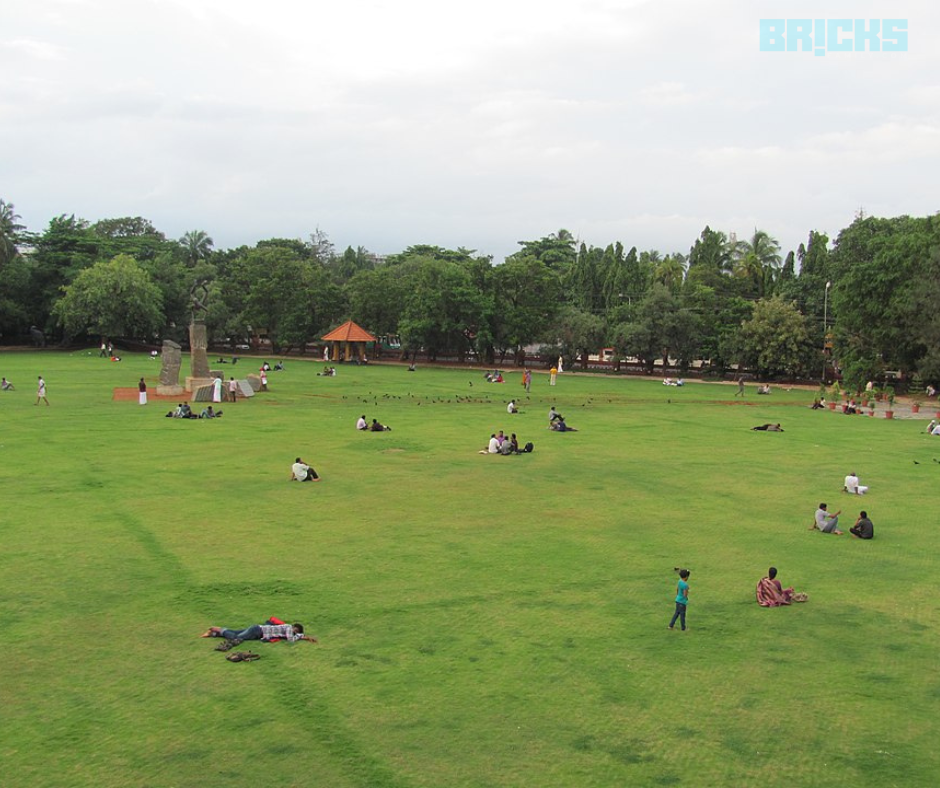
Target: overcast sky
(481, 124)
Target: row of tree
(867, 302)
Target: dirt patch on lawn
(131, 395)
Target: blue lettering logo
(820, 36)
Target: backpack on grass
(528, 448)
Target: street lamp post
(825, 328)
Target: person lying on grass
(264, 632)
(768, 428)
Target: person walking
(41, 391)
(682, 599)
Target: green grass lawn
(483, 621)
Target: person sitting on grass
(514, 443)
(558, 425)
(771, 593)
(362, 424)
(266, 632)
(5, 385)
(301, 472)
(825, 522)
(377, 427)
(511, 407)
(853, 486)
(209, 413)
(863, 528)
(768, 428)
(492, 447)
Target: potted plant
(889, 394)
(833, 396)
(872, 401)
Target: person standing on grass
(682, 599)
(232, 388)
(740, 391)
(41, 392)
(552, 376)
(142, 389)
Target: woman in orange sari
(771, 593)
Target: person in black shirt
(863, 528)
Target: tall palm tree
(9, 228)
(197, 246)
(757, 261)
(670, 272)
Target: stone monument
(170, 371)
(198, 359)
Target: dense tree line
(871, 295)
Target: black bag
(528, 448)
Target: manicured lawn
(484, 621)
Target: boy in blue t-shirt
(682, 599)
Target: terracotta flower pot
(889, 414)
(831, 405)
(915, 407)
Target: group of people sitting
(828, 523)
(364, 426)
(764, 389)
(556, 421)
(500, 444)
(671, 382)
(934, 427)
(328, 372)
(493, 377)
(183, 411)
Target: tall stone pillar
(198, 360)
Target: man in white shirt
(852, 485)
(302, 472)
(511, 407)
(493, 448)
(362, 424)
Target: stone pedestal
(193, 383)
(198, 360)
(170, 391)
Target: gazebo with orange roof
(348, 341)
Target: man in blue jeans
(263, 632)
